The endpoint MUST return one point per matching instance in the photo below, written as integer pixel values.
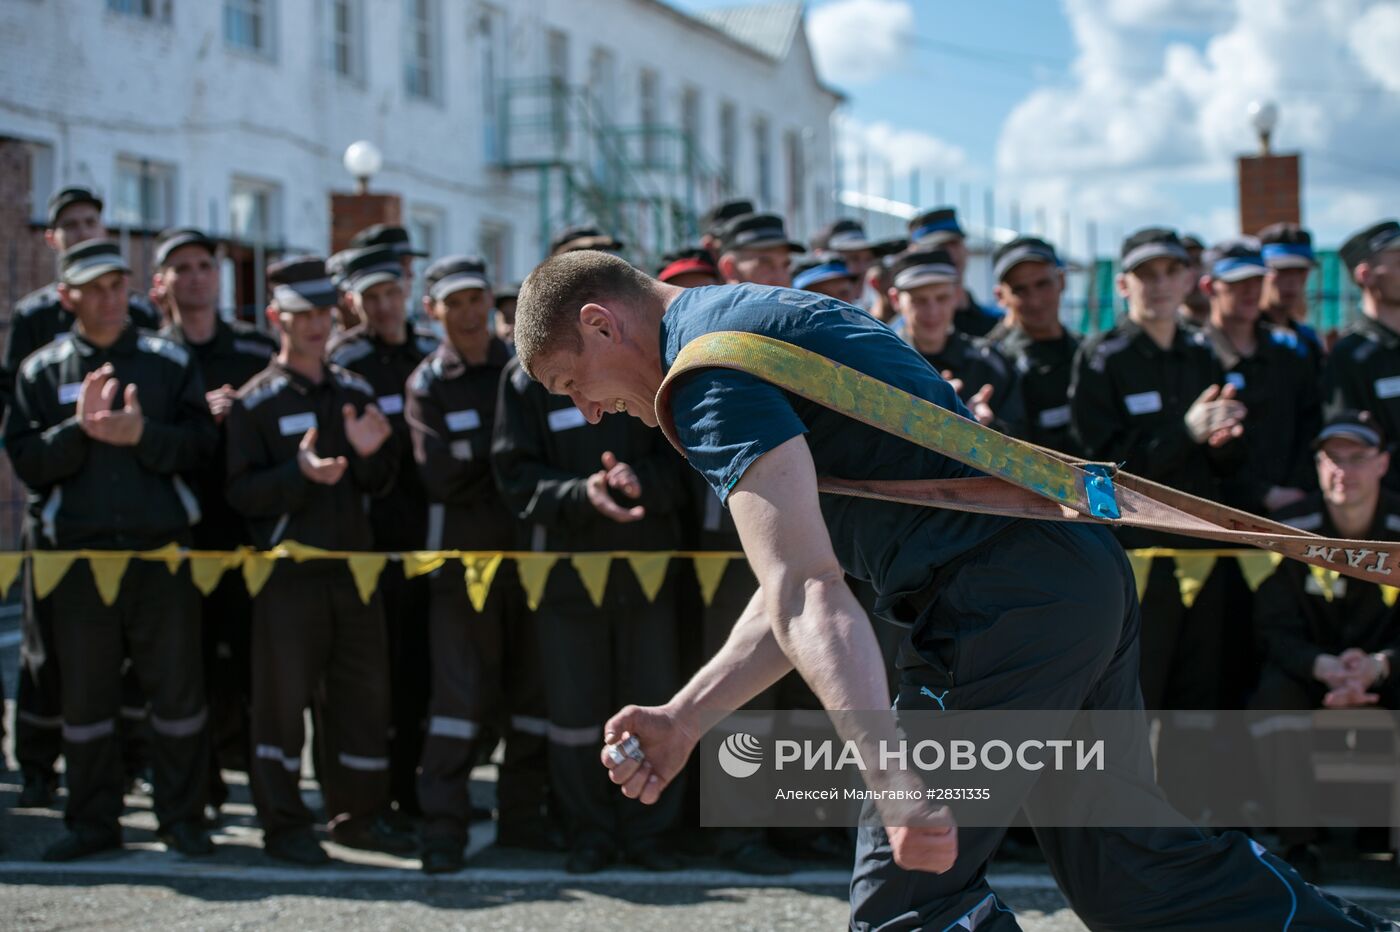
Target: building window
(248, 25)
(41, 183)
(154, 10)
(345, 38)
(254, 209)
(557, 66)
(728, 147)
(493, 245)
(649, 113)
(763, 163)
(425, 231)
(796, 178)
(422, 63)
(144, 194)
(690, 118)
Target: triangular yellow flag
(480, 572)
(1388, 594)
(10, 565)
(301, 552)
(1257, 567)
(170, 555)
(257, 567)
(534, 572)
(420, 562)
(1142, 568)
(206, 570)
(366, 567)
(593, 570)
(709, 571)
(1326, 580)
(107, 572)
(49, 569)
(651, 571)
(1191, 572)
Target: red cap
(688, 264)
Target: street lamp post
(363, 161)
(1269, 190)
(1263, 116)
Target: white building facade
(499, 122)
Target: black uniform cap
(301, 283)
(386, 234)
(370, 266)
(713, 220)
(454, 273)
(90, 260)
(1019, 250)
(180, 237)
(1353, 425)
(755, 231)
(1377, 238)
(65, 198)
(923, 266)
(583, 236)
(1151, 243)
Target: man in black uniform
(75, 216)
(1272, 376)
(384, 351)
(227, 354)
(394, 238)
(1030, 281)
(581, 487)
(306, 448)
(1288, 253)
(755, 248)
(925, 291)
(1151, 395)
(102, 426)
(1363, 369)
(1328, 641)
(939, 229)
(485, 665)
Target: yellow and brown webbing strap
(1023, 480)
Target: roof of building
(767, 28)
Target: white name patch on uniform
(391, 404)
(1143, 402)
(68, 394)
(1388, 387)
(463, 420)
(296, 424)
(566, 419)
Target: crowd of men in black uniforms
(138, 416)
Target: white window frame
(353, 41)
(150, 11)
(266, 13)
(271, 234)
(420, 34)
(153, 182)
(494, 244)
(729, 145)
(763, 161)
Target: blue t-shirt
(726, 420)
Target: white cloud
(1146, 115)
(879, 158)
(858, 41)
(1376, 39)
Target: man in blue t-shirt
(1004, 613)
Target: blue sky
(1120, 112)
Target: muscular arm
(814, 617)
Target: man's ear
(1120, 284)
(1362, 275)
(430, 308)
(66, 297)
(598, 318)
(51, 238)
(1001, 292)
(729, 268)
(274, 317)
(1205, 285)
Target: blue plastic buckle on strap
(1098, 483)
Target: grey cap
(373, 265)
(454, 273)
(91, 260)
(300, 283)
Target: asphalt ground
(145, 886)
